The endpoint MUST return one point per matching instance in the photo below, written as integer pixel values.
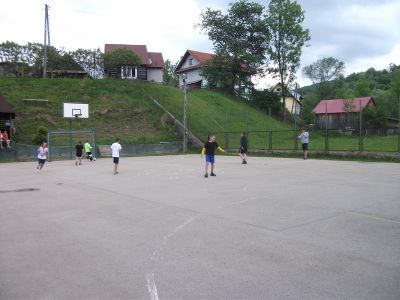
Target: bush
(40, 135)
(265, 99)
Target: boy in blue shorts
(209, 149)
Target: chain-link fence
(366, 140)
(21, 152)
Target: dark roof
(156, 60)
(140, 50)
(335, 106)
(5, 107)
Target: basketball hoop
(77, 116)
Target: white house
(190, 64)
(151, 68)
(292, 98)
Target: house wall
(290, 103)
(192, 76)
(187, 64)
(155, 75)
(339, 121)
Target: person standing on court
(79, 153)
(88, 150)
(42, 155)
(243, 148)
(116, 149)
(209, 149)
(304, 141)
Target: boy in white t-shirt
(42, 155)
(116, 149)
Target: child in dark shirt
(209, 149)
(79, 153)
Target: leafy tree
(240, 39)
(40, 135)
(265, 99)
(373, 118)
(362, 87)
(91, 60)
(348, 107)
(322, 72)
(169, 77)
(284, 20)
(395, 88)
(113, 61)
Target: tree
(322, 72)
(373, 118)
(91, 60)
(113, 61)
(284, 22)
(266, 99)
(362, 87)
(169, 77)
(240, 39)
(395, 88)
(348, 107)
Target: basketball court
(275, 228)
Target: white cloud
(362, 33)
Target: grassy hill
(123, 108)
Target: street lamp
(184, 76)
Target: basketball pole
(70, 138)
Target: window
(128, 72)
(190, 61)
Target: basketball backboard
(76, 110)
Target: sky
(361, 33)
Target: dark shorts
(116, 160)
(305, 146)
(41, 161)
(210, 159)
(242, 150)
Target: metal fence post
(270, 140)
(360, 138)
(326, 128)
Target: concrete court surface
(275, 228)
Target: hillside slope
(124, 108)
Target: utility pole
(296, 95)
(46, 38)
(185, 137)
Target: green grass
(123, 108)
(117, 108)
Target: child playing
(88, 150)
(42, 155)
(209, 150)
(304, 141)
(79, 153)
(116, 149)
(243, 148)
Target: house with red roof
(151, 68)
(342, 113)
(190, 64)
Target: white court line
(151, 283)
